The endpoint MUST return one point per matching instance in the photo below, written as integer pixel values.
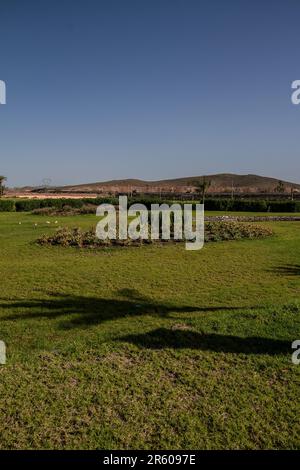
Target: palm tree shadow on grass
(88, 311)
(288, 270)
(163, 338)
(81, 311)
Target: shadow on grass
(177, 339)
(288, 270)
(87, 311)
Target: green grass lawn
(153, 347)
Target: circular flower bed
(214, 231)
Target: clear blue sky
(150, 89)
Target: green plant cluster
(219, 231)
(214, 231)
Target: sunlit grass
(151, 347)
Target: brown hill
(219, 183)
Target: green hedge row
(250, 205)
(7, 205)
(28, 205)
(246, 205)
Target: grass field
(153, 347)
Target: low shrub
(214, 231)
(236, 205)
(7, 205)
(44, 211)
(216, 204)
(247, 205)
(28, 205)
(72, 237)
(283, 206)
(65, 210)
(218, 231)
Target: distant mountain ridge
(222, 182)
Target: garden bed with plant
(214, 231)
